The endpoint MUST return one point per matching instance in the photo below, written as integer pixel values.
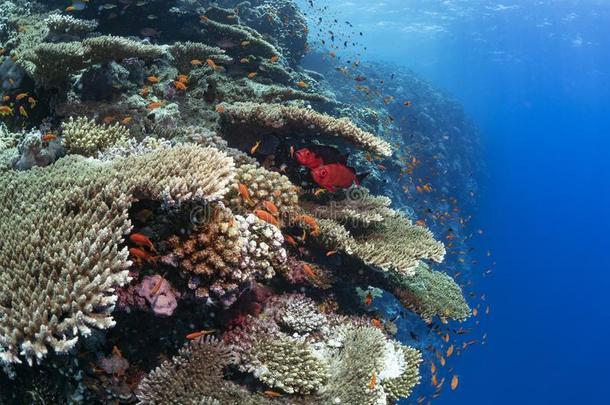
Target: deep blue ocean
(535, 78)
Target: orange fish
(154, 105)
(109, 119)
(302, 84)
(420, 222)
(252, 75)
(292, 151)
(319, 191)
(32, 102)
(5, 110)
(180, 86)
(211, 64)
(195, 335)
(70, 8)
(433, 368)
(267, 217)
(331, 252)
(274, 59)
(6, 98)
(244, 60)
(126, 120)
(376, 323)
(290, 240)
(272, 394)
(243, 191)
(48, 137)
(144, 91)
(373, 381)
(434, 380)
(142, 240)
(450, 351)
(220, 109)
(254, 148)
(197, 62)
(153, 79)
(368, 300)
(21, 96)
(269, 206)
(183, 79)
(140, 254)
(454, 382)
(23, 112)
(309, 271)
(309, 220)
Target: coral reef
(163, 242)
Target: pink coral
(159, 293)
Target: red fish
(318, 155)
(336, 175)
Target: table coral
(284, 119)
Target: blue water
(535, 77)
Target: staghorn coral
(286, 364)
(184, 52)
(394, 245)
(431, 293)
(85, 137)
(262, 185)
(290, 120)
(228, 250)
(62, 226)
(194, 377)
(401, 387)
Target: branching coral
(193, 377)
(60, 259)
(393, 245)
(261, 185)
(51, 63)
(431, 293)
(60, 23)
(358, 210)
(105, 48)
(401, 387)
(185, 52)
(228, 250)
(293, 120)
(296, 312)
(362, 352)
(238, 34)
(85, 137)
(286, 364)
